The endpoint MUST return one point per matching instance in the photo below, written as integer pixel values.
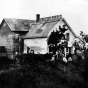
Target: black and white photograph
(43, 44)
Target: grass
(32, 73)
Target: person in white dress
(64, 58)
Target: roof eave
(34, 37)
(70, 28)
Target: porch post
(65, 51)
(73, 48)
(47, 48)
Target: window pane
(67, 36)
(69, 49)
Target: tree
(80, 42)
(57, 38)
(80, 45)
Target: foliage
(36, 70)
(57, 38)
(80, 42)
(86, 38)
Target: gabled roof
(40, 30)
(18, 24)
(69, 27)
(36, 29)
(44, 26)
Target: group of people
(69, 57)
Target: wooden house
(39, 32)
(16, 35)
(11, 31)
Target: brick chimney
(37, 17)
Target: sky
(75, 12)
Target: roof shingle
(40, 30)
(35, 29)
(18, 24)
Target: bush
(30, 58)
(36, 71)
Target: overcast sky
(74, 11)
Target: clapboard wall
(6, 39)
(9, 40)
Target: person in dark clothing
(69, 55)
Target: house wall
(6, 40)
(38, 45)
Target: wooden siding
(7, 40)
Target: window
(16, 39)
(4, 24)
(69, 49)
(16, 47)
(51, 48)
(67, 36)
